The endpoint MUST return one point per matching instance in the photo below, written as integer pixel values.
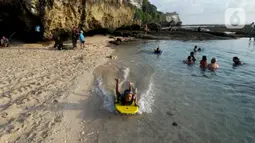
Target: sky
(208, 11)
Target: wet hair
(213, 61)
(235, 58)
(204, 58)
(195, 47)
(126, 92)
(191, 53)
(199, 49)
(189, 58)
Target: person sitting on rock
(237, 61)
(128, 97)
(4, 42)
(213, 66)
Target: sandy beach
(41, 90)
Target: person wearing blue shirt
(82, 39)
(38, 28)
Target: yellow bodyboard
(126, 109)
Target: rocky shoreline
(167, 35)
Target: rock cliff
(22, 16)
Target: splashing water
(146, 100)
(126, 72)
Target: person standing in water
(195, 48)
(213, 66)
(82, 39)
(128, 97)
(203, 62)
(251, 29)
(192, 56)
(188, 61)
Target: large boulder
(154, 26)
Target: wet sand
(43, 91)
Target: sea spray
(146, 100)
(126, 72)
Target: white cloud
(202, 10)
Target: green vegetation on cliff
(148, 13)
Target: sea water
(209, 107)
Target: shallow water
(207, 106)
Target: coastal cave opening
(16, 23)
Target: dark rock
(174, 124)
(135, 27)
(55, 101)
(154, 26)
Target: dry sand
(41, 90)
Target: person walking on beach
(82, 39)
(75, 36)
(213, 66)
(251, 29)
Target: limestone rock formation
(23, 15)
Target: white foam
(146, 100)
(126, 72)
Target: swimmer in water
(195, 48)
(199, 50)
(213, 66)
(203, 62)
(157, 50)
(192, 56)
(237, 61)
(188, 61)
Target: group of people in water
(213, 66)
(128, 97)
